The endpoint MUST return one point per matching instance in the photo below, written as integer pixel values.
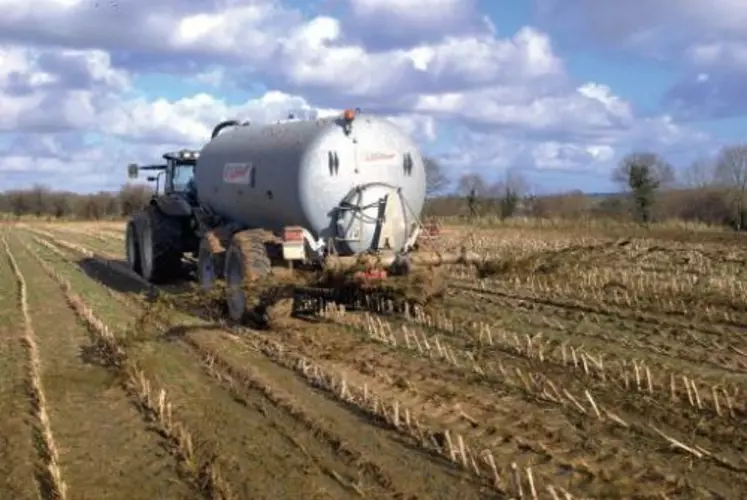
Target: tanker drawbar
(282, 207)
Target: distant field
(584, 364)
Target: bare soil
(608, 367)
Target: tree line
(710, 190)
(41, 201)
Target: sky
(558, 90)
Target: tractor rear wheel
(160, 258)
(246, 264)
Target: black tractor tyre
(159, 237)
(132, 247)
(210, 264)
(246, 263)
(402, 266)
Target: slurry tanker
(293, 194)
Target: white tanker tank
(356, 181)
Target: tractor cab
(175, 177)
(180, 171)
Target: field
(578, 364)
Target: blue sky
(556, 90)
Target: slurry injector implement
(340, 195)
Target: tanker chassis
(297, 193)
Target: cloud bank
(87, 87)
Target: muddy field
(575, 365)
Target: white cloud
(589, 110)
(731, 55)
(382, 24)
(421, 127)
(412, 11)
(190, 120)
(647, 21)
(316, 56)
(692, 36)
(267, 37)
(55, 89)
(483, 99)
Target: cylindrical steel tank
(328, 176)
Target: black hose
(226, 123)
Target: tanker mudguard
(173, 205)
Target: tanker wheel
(160, 259)
(132, 248)
(402, 266)
(210, 264)
(246, 263)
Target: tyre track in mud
(720, 376)
(154, 406)
(654, 475)
(492, 289)
(469, 333)
(724, 358)
(643, 394)
(315, 404)
(251, 440)
(392, 464)
(665, 342)
(89, 414)
(507, 423)
(483, 343)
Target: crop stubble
(497, 397)
(392, 469)
(18, 458)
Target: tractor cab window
(182, 174)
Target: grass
(17, 455)
(86, 410)
(243, 422)
(601, 362)
(49, 473)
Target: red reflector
(293, 235)
(373, 274)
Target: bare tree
(699, 174)
(133, 197)
(42, 201)
(472, 183)
(40, 198)
(61, 205)
(643, 174)
(474, 187)
(435, 178)
(19, 202)
(508, 192)
(731, 172)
